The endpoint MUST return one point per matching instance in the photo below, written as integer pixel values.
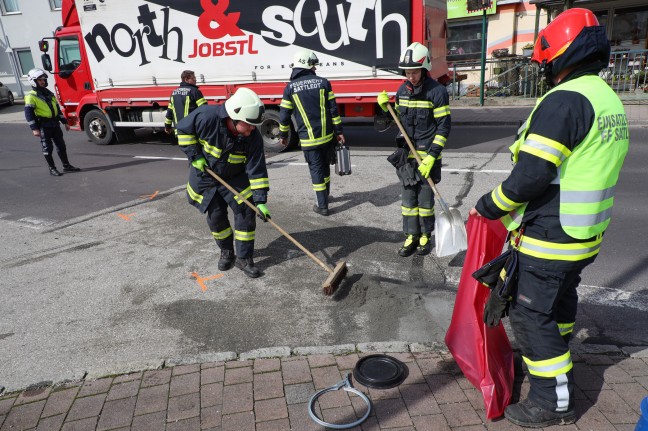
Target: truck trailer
(116, 62)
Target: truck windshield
(69, 56)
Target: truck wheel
(270, 133)
(97, 128)
(11, 98)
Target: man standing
(224, 139)
(423, 107)
(316, 113)
(184, 100)
(43, 115)
(557, 203)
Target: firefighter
(423, 107)
(224, 139)
(311, 99)
(183, 101)
(557, 204)
(43, 115)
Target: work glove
(496, 307)
(199, 164)
(168, 129)
(426, 166)
(265, 213)
(383, 100)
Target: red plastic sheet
(484, 354)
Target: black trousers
(417, 208)
(244, 223)
(53, 136)
(320, 172)
(542, 315)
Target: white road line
(610, 297)
(160, 158)
(483, 171)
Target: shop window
(56, 4)
(9, 6)
(25, 60)
(464, 40)
(629, 27)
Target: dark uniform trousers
(52, 135)
(320, 172)
(542, 315)
(417, 207)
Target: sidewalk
(269, 390)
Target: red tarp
(484, 354)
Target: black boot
(409, 246)
(226, 260)
(70, 168)
(320, 211)
(54, 172)
(529, 414)
(247, 266)
(424, 245)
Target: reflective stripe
(551, 250)
(545, 148)
(513, 220)
(503, 202)
(185, 140)
(550, 367)
(523, 128)
(259, 183)
(247, 194)
(331, 95)
(588, 196)
(585, 220)
(562, 393)
(336, 120)
(242, 235)
(193, 195)
(286, 104)
(439, 140)
(29, 105)
(32, 122)
(302, 112)
(422, 154)
(426, 104)
(319, 187)
(442, 111)
(226, 233)
(236, 159)
(566, 328)
(327, 180)
(426, 212)
(317, 141)
(323, 111)
(283, 128)
(214, 151)
(186, 107)
(409, 212)
(201, 101)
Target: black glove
(398, 158)
(495, 309)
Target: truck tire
(269, 130)
(97, 128)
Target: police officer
(184, 100)
(311, 99)
(423, 107)
(43, 115)
(557, 202)
(224, 139)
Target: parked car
(6, 95)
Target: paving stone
(268, 385)
(414, 374)
(277, 425)
(52, 423)
(192, 424)
(384, 394)
(24, 416)
(239, 422)
(360, 406)
(238, 364)
(128, 377)
(613, 407)
(88, 424)
(634, 367)
(179, 370)
(211, 417)
(206, 365)
(156, 377)
(151, 400)
(149, 422)
(431, 423)
(475, 398)
(613, 374)
(183, 407)
(632, 394)
(33, 394)
(86, 407)
(316, 361)
(295, 371)
(300, 420)
(212, 375)
(267, 410)
(419, 400)
(235, 376)
(587, 379)
(590, 418)
(432, 366)
(238, 398)
(346, 362)
(392, 413)
(341, 415)
(325, 377)
(299, 393)
(5, 405)
(267, 365)
(184, 384)
(445, 389)
(123, 390)
(59, 402)
(460, 414)
(211, 395)
(117, 413)
(94, 387)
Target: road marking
(126, 217)
(200, 280)
(160, 158)
(610, 297)
(150, 197)
(36, 221)
(484, 171)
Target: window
(55, 4)
(69, 55)
(464, 40)
(9, 6)
(629, 29)
(25, 60)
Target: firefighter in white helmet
(43, 114)
(224, 139)
(310, 98)
(423, 107)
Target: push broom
(335, 274)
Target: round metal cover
(380, 372)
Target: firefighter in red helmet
(557, 204)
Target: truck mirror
(47, 62)
(43, 45)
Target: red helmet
(573, 38)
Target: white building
(22, 24)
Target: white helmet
(305, 59)
(34, 74)
(415, 56)
(245, 105)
